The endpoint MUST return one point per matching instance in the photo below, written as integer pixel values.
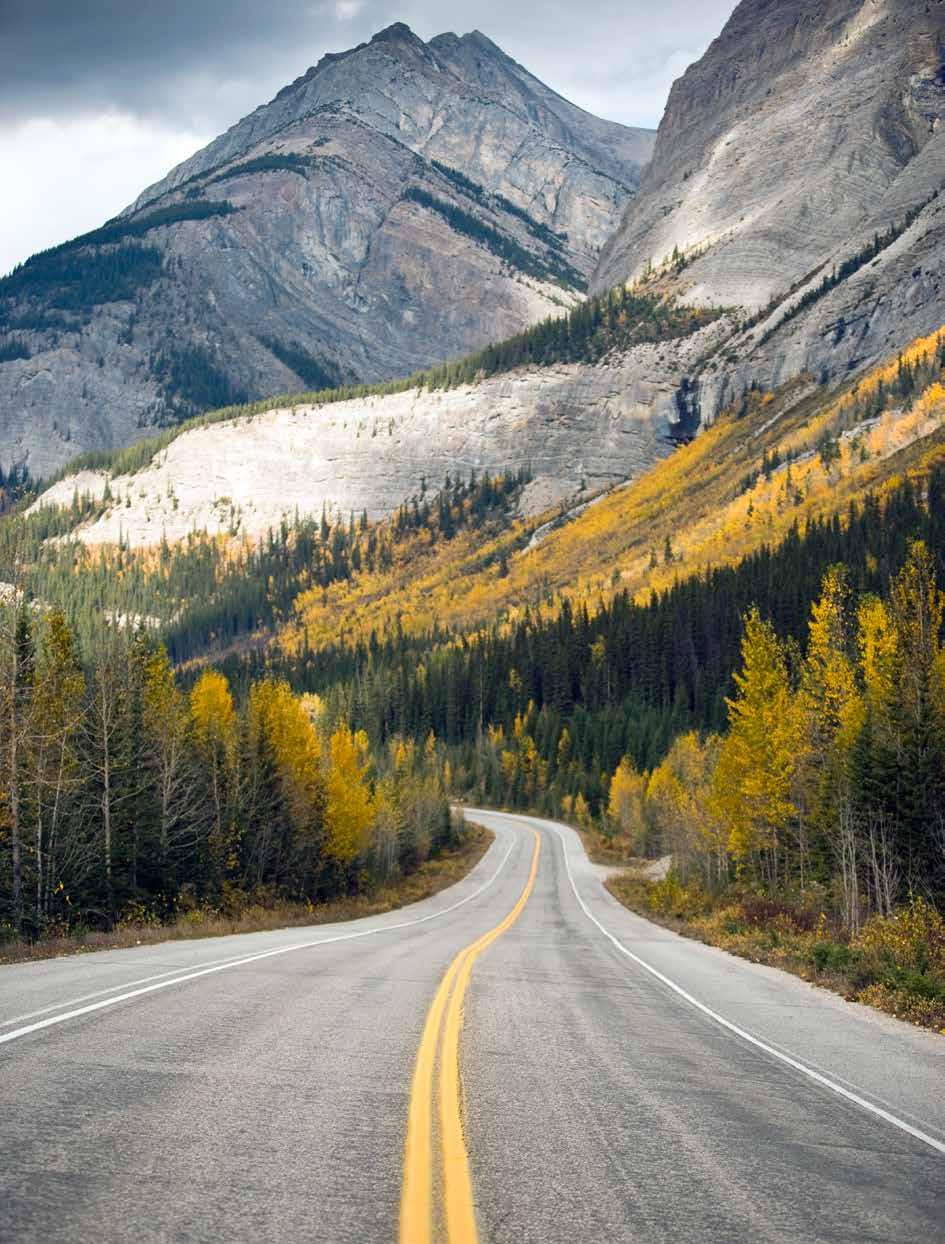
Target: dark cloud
(201, 64)
(99, 98)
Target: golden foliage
(349, 808)
(753, 778)
(212, 713)
(280, 718)
(625, 801)
(695, 498)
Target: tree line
(550, 266)
(613, 321)
(124, 795)
(839, 273)
(202, 594)
(832, 769)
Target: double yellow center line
(445, 1018)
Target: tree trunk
(15, 843)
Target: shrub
(910, 940)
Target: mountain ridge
(379, 215)
(848, 96)
(870, 289)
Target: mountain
(791, 204)
(398, 204)
(794, 178)
(576, 429)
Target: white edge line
(816, 1076)
(223, 965)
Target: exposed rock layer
(334, 250)
(576, 428)
(807, 128)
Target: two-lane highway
(612, 1082)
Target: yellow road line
(416, 1207)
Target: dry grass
(895, 964)
(611, 850)
(431, 877)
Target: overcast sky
(99, 98)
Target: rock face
(397, 205)
(807, 128)
(576, 428)
(796, 177)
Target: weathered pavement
(257, 1087)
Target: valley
(427, 451)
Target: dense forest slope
(397, 205)
(771, 464)
(465, 555)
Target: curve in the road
(139, 988)
(818, 1078)
(442, 1028)
(603, 1099)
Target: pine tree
(60, 847)
(168, 763)
(917, 607)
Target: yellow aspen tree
(878, 649)
(564, 749)
(833, 712)
(294, 743)
(625, 801)
(582, 813)
(828, 683)
(349, 807)
(663, 798)
(401, 754)
(757, 760)
(284, 786)
(678, 801)
(213, 721)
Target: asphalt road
(619, 1083)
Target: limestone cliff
(576, 428)
(806, 130)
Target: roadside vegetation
(895, 963)
(811, 834)
(259, 911)
(126, 797)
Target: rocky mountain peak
(796, 177)
(397, 41)
(398, 32)
(843, 93)
(398, 204)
